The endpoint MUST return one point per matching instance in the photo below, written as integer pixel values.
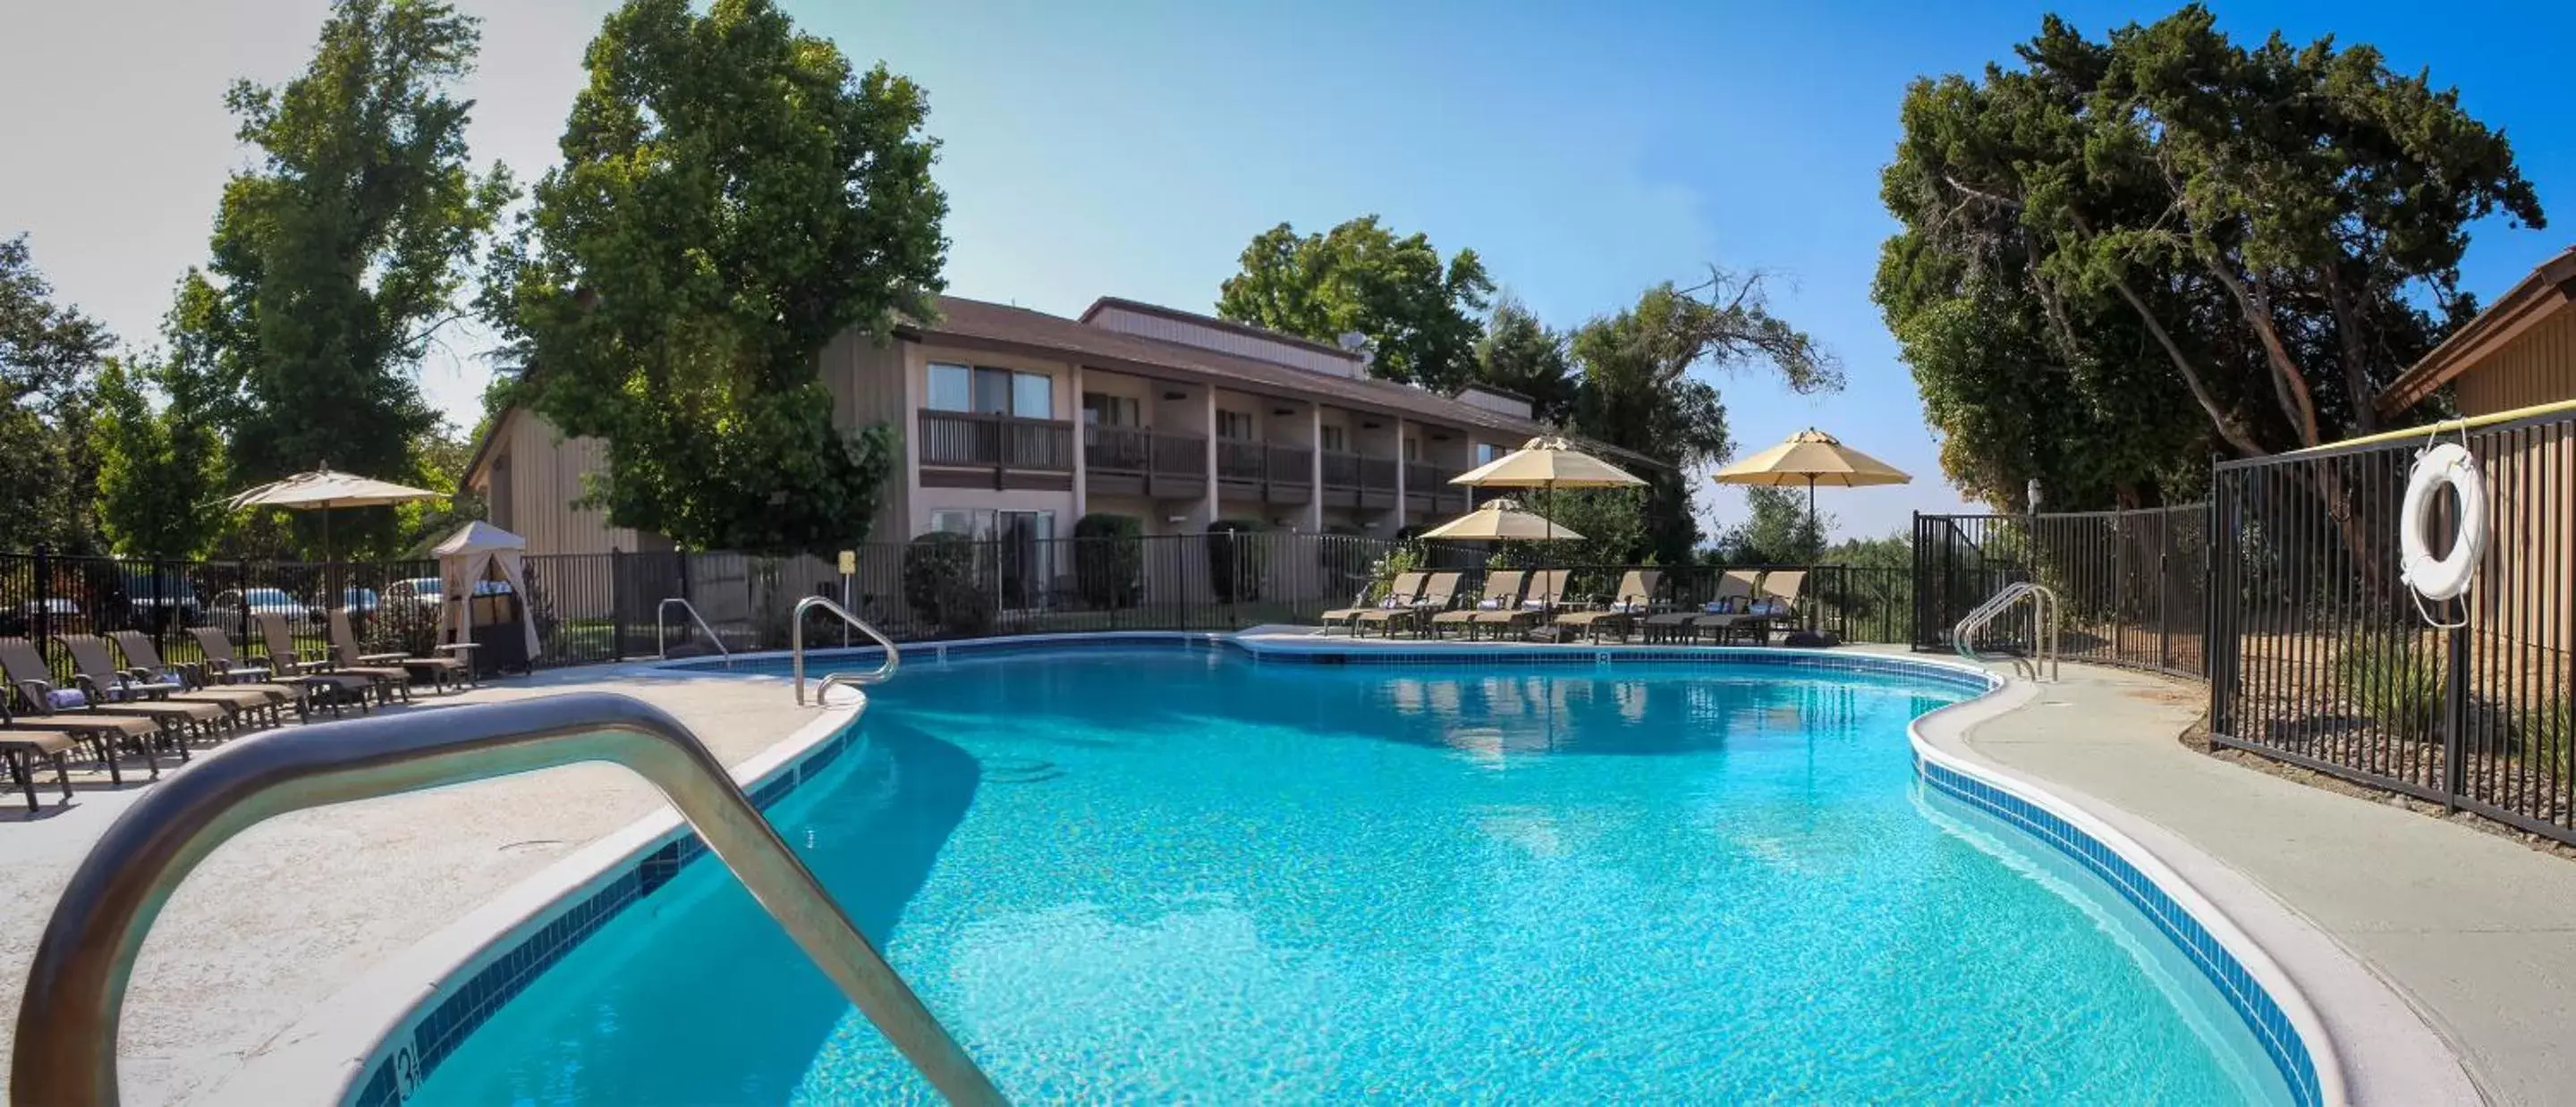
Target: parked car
(167, 601)
(239, 603)
(62, 616)
(426, 592)
(360, 600)
(420, 592)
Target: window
(1412, 449)
(990, 391)
(1032, 395)
(1100, 409)
(1333, 440)
(1236, 425)
(952, 388)
(1487, 451)
(953, 522)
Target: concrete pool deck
(2475, 932)
(281, 919)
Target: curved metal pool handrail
(661, 647)
(796, 649)
(67, 1022)
(2046, 611)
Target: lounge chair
(1406, 589)
(283, 657)
(1620, 611)
(143, 658)
(439, 670)
(223, 666)
(24, 748)
(1547, 589)
(1437, 594)
(211, 715)
(1777, 605)
(1735, 588)
(23, 666)
(1502, 593)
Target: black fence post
(40, 623)
(617, 602)
(2455, 718)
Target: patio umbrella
(1811, 457)
(1499, 519)
(1547, 462)
(324, 489)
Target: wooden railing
(958, 438)
(1239, 461)
(1291, 465)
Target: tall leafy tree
(338, 255)
(160, 483)
(1777, 529)
(1645, 384)
(1420, 314)
(48, 353)
(733, 195)
(2185, 242)
(1520, 354)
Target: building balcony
(1268, 472)
(1427, 488)
(1359, 482)
(1130, 461)
(972, 450)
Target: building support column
(1314, 468)
(1402, 508)
(1081, 451)
(1210, 463)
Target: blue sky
(1132, 149)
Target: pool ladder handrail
(661, 644)
(65, 1051)
(2045, 614)
(796, 651)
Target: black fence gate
(2322, 656)
(2131, 582)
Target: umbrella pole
(1812, 523)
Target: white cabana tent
(477, 552)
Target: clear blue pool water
(1155, 875)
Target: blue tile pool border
(434, 1029)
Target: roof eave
(2548, 288)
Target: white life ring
(2448, 464)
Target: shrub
(1234, 560)
(2396, 683)
(1383, 571)
(939, 583)
(1109, 560)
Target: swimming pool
(1151, 873)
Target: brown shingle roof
(1246, 329)
(1020, 330)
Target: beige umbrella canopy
(326, 488)
(1499, 519)
(1548, 462)
(1812, 457)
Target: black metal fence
(2324, 657)
(609, 607)
(2131, 583)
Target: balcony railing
(1428, 484)
(1132, 461)
(975, 440)
(1239, 461)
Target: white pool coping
(327, 1052)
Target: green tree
(2129, 253)
(732, 197)
(48, 353)
(1520, 354)
(339, 254)
(1776, 530)
(161, 470)
(1419, 313)
(1644, 387)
